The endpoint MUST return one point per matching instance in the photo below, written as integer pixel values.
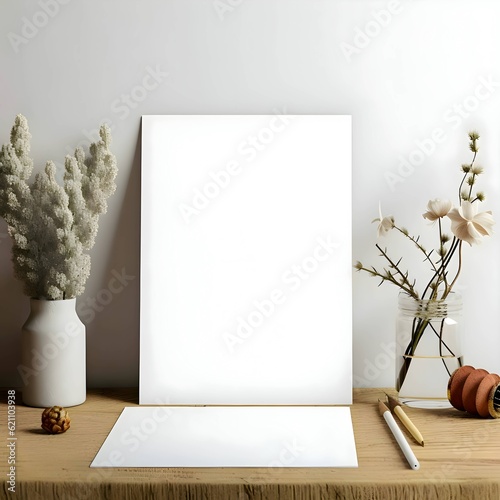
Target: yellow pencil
(396, 408)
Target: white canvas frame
(246, 220)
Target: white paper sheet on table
(230, 437)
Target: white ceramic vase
(53, 355)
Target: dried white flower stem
(53, 226)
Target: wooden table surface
(460, 460)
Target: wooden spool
(475, 391)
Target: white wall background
(419, 66)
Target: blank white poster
(246, 260)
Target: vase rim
(49, 305)
(425, 308)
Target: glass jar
(428, 348)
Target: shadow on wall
(112, 315)
(11, 309)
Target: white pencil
(396, 431)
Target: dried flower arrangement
(467, 224)
(52, 226)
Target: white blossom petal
(468, 225)
(385, 223)
(484, 223)
(437, 208)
